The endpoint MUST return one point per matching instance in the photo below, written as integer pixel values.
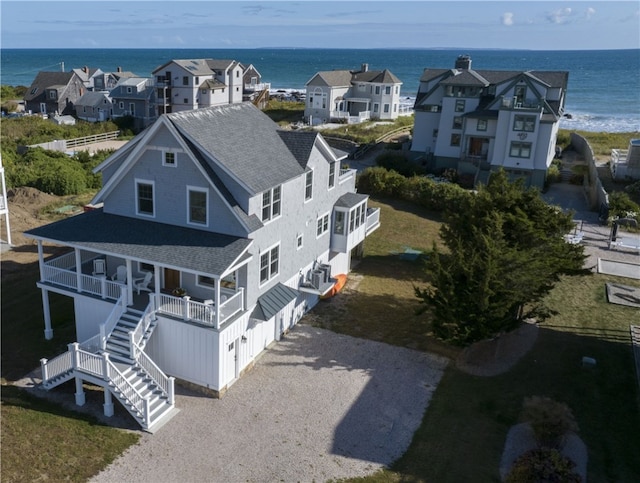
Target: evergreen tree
(505, 250)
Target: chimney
(463, 62)
(85, 69)
(364, 68)
(119, 69)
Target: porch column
(156, 286)
(108, 403)
(41, 259)
(80, 396)
(217, 299)
(129, 282)
(48, 331)
(78, 269)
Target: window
(144, 195)
(308, 186)
(299, 241)
(338, 227)
(120, 105)
(376, 107)
(52, 94)
(455, 140)
(197, 81)
(482, 125)
(460, 105)
(34, 90)
(377, 90)
(185, 81)
(271, 203)
(323, 225)
(386, 108)
(397, 90)
(524, 123)
(269, 261)
(387, 90)
(520, 150)
(457, 122)
(197, 205)
(132, 109)
(332, 175)
(169, 158)
(205, 281)
(128, 90)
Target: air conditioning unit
(326, 269)
(317, 278)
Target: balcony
(373, 220)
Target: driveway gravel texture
(316, 406)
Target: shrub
(622, 206)
(549, 419)
(399, 163)
(633, 188)
(543, 465)
(380, 181)
(553, 174)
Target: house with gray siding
(479, 121)
(352, 96)
(54, 93)
(94, 106)
(135, 97)
(218, 231)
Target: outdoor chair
(99, 267)
(143, 283)
(121, 274)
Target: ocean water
(603, 92)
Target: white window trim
(164, 158)
(306, 174)
(204, 285)
(335, 174)
(271, 276)
(271, 216)
(299, 241)
(324, 217)
(138, 182)
(199, 190)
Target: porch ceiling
(147, 241)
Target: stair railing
(164, 382)
(128, 392)
(137, 335)
(55, 367)
(109, 324)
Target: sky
(515, 24)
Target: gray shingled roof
(242, 139)
(273, 301)
(92, 98)
(194, 66)
(349, 200)
(377, 76)
(300, 143)
(336, 78)
(45, 80)
(147, 241)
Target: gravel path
(317, 406)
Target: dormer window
(52, 94)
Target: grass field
(464, 429)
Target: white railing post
(172, 393)
(103, 286)
(185, 304)
(147, 419)
(153, 300)
(132, 345)
(105, 368)
(44, 369)
(103, 337)
(75, 355)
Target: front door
(232, 361)
(171, 279)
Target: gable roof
(376, 76)
(243, 140)
(47, 80)
(349, 200)
(300, 143)
(147, 241)
(93, 98)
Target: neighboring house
(218, 232)
(94, 106)
(135, 97)
(54, 93)
(186, 84)
(353, 96)
(625, 163)
(477, 121)
(91, 78)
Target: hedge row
(432, 195)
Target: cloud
(560, 16)
(507, 19)
(590, 13)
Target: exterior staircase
(116, 360)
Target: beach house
(135, 97)
(185, 84)
(352, 96)
(477, 121)
(218, 231)
(54, 93)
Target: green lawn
(464, 429)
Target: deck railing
(137, 335)
(164, 382)
(112, 320)
(56, 366)
(62, 271)
(206, 314)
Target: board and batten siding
(89, 313)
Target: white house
(477, 121)
(625, 163)
(353, 96)
(218, 232)
(185, 84)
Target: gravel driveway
(317, 405)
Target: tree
(505, 250)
